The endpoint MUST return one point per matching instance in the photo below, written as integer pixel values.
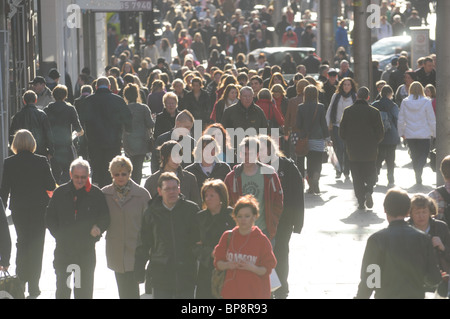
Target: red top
(254, 247)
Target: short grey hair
(80, 162)
(246, 88)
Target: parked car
(384, 50)
(276, 55)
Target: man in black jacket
(399, 261)
(107, 115)
(76, 216)
(168, 235)
(37, 122)
(362, 130)
(244, 114)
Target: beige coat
(290, 122)
(126, 219)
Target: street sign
(114, 5)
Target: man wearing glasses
(76, 216)
(168, 235)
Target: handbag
(302, 144)
(325, 155)
(11, 287)
(218, 277)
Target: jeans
(419, 148)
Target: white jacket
(416, 118)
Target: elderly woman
(27, 178)
(127, 202)
(423, 212)
(165, 121)
(213, 221)
(207, 164)
(417, 124)
(137, 142)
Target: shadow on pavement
(363, 218)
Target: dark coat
(164, 122)
(70, 216)
(27, 178)
(167, 239)
(293, 191)
(211, 229)
(160, 140)
(137, 142)
(5, 238)
(219, 171)
(201, 108)
(406, 265)
(440, 229)
(318, 129)
(238, 116)
(64, 120)
(362, 130)
(36, 121)
(188, 184)
(391, 136)
(107, 116)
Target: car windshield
(387, 46)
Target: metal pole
(326, 30)
(362, 51)
(442, 80)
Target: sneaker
(369, 200)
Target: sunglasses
(121, 174)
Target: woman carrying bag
(311, 122)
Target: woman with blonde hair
(27, 179)
(199, 48)
(417, 125)
(127, 202)
(213, 221)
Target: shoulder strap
(313, 119)
(445, 195)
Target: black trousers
(127, 285)
(30, 230)
(100, 159)
(364, 178)
(83, 277)
(281, 251)
(386, 153)
(138, 162)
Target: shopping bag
(10, 287)
(274, 281)
(333, 159)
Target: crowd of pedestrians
(226, 188)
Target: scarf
(333, 113)
(122, 191)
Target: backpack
(446, 197)
(386, 121)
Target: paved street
(325, 259)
